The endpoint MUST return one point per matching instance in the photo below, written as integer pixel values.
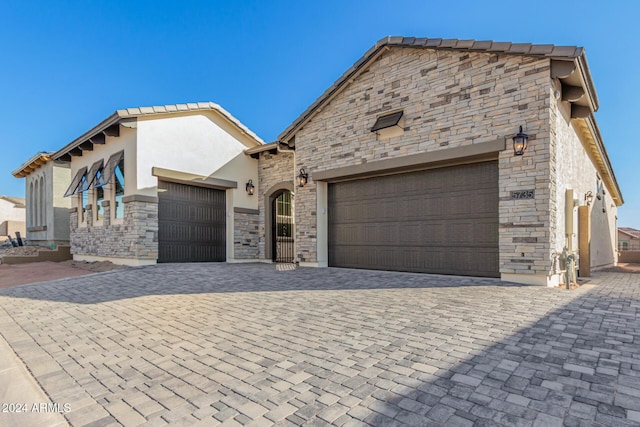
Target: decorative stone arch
(269, 196)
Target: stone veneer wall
(450, 99)
(135, 237)
(246, 235)
(273, 169)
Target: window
(96, 179)
(113, 170)
(99, 198)
(74, 187)
(283, 215)
(91, 176)
(83, 199)
(109, 169)
(98, 192)
(118, 175)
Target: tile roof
(630, 232)
(32, 164)
(135, 112)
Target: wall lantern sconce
(250, 187)
(520, 143)
(588, 198)
(302, 178)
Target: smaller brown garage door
(434, 221)
(191, 223)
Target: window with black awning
(109, 169)
(76, 182)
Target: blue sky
(66, 65)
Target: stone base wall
(133, 237)
(245, 235)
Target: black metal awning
(387, 121)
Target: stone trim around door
(268, 214)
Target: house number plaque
(523, 194)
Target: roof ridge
(534, 49)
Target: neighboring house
(47, 213)
(410, 166)
(628, 239)
(163, 184)
(12, 216)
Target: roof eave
(109, 121)
(31, 164)
(628, 233)
(132, 114)
(600, 152)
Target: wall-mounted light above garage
(520, 143)
(389, 125)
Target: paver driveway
(251, 345)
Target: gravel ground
(96, 267)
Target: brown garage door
(191, 223)
(434, 221)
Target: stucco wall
(61, 205)
(52, 226)
(574, 170)
(11, 212)
(10, 228)
(202, 144)
(450, 99)
(274, 170)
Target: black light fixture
(250, 187)
(302, 178)
(520, 143)
(588, 198)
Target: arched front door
(282, 231)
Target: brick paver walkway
(250, 345)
